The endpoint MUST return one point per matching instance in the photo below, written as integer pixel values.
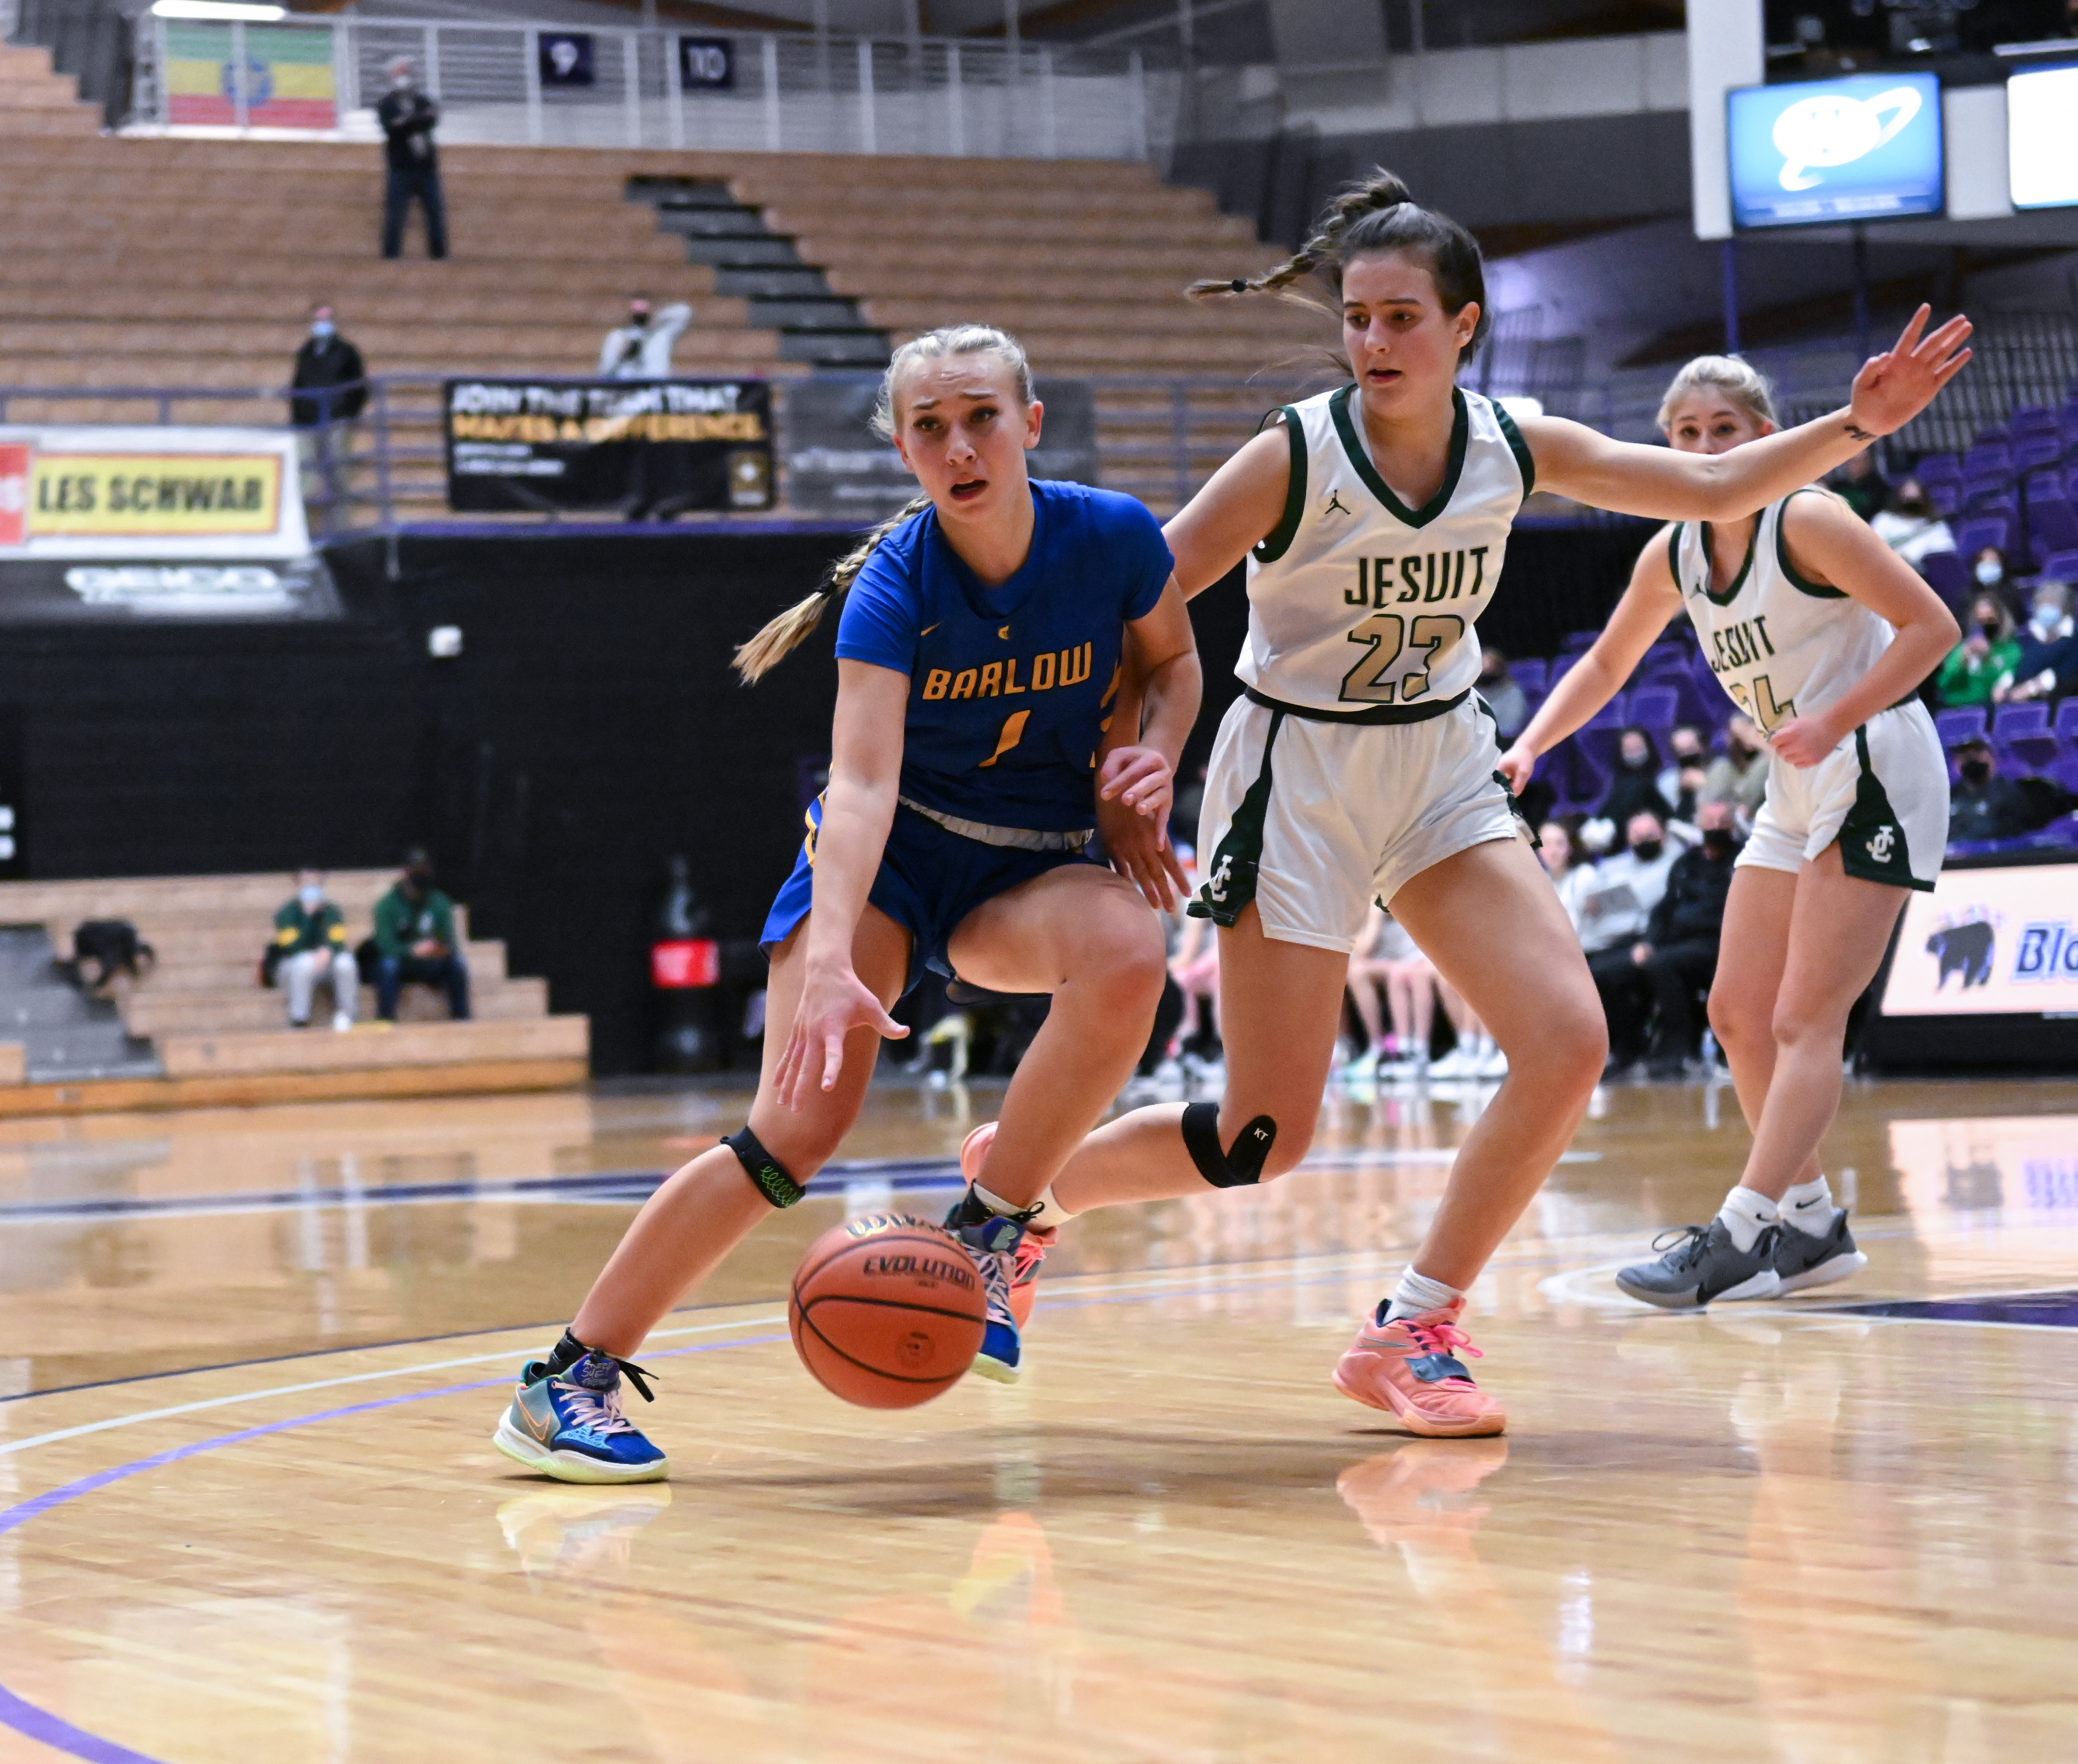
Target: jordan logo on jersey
(1427, 577)
(1334, 504)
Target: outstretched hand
(1894, 387)
(834, 1001)
(1136, 789)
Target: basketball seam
(852, 1359)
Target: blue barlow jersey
(1010, 688)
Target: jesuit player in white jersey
(1822, 635)
(1360, 766)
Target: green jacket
(400, 921)
(296, 930)
(1965, 678)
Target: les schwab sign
(109, 493)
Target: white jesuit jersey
(1356, 601)
(1781, 646)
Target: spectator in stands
(1504, 697)
(1572, 869)
(414, 940)
(1628, 886)
(1910, 527)
(1635, 790)
(1860, 485)
(1738, 776)
(2047, 666)
(1989, 568)
(408, 117)
(326, 364)
(1677, 957)
(1388, 961)
(641, 350)
(1984, 661)
(1983, 805)
(1680, 781)
(310, 949)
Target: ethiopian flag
(288, 76)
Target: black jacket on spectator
(1692, 908)
(408, 117)
(1634, 792)
(1998, 809)
(322, 362)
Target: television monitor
(1822, 153)
(2041, 137)
(1984, 970)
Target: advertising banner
(643, 448)
(287, 76)
(836, 466)
(1989, 943)
(153, 494)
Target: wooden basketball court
(249, 1510)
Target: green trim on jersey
(1338, 405)
(1278, 540)
(1819, 591)
(1674, 555)
(1237, 859)
(1871, 839)
(1710, 566)
(1517, 446)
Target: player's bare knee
(1123, 970)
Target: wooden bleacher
(154, 262)
(222, 1037)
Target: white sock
(1046, 1211)
(1809, 1206)
(1416, 1295)
(1746, 1213)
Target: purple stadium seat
(1560, 665)
(2035, 450)
(2049, 482)
(1944, 497)
(1973, 534)
(1655, 708)
(1530, 673)
(2071, 484)
(2066, 723)
(2021, 732)
(1981, 493)
(2061, 566)
(1938, 468)
(1578, 642)
(1955, 727)
(1987, 459)
(2052, 525)
(2034, 420)
(1949, 575)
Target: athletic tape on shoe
(1241, 1165)
(765, 1172)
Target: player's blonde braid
(764, 652)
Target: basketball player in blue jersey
(974, 761)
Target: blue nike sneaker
(569, 1424)
(992, 1238)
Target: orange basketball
(888, 1310)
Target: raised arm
(1160, 685)
(1648, 603)
(858, 810)
(1833, 547)
(1572, 460)
(1239, 505)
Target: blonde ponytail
(764, 652)
(786, 633)
(1733, 376)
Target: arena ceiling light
(250, 13)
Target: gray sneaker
(1802, 1260)
(1703, 1263)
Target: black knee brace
(765, 1170)
(1227, 1169)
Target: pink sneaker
(1410, 1369)
(1031, 1247)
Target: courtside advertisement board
(1825, 151)
(2042, 138)
(157, 494)
(1986, 966)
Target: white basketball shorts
(1313, 820)
(1882, 793)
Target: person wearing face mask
(408, 117)
(1635, 791)
(1677, 957)
(1985, 662)
(2047, 665)
(309, 947)
(414, 941)
(1629, 884)
(641, 350)
(1910, 527)
(330, 374)
(1983, 805)
(1738, 776)
(1503, 697)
